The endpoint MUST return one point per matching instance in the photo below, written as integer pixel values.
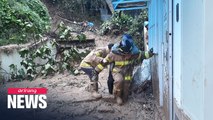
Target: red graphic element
(22, 91)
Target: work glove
(151, 53)
(104, 62)
(94, 75)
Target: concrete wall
(208, 60)
(13, 57)
(193, 76)
(8, 59)
(192, 63)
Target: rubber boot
(126, 91)
(94, 90)
(118, 87)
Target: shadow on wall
(155, 78)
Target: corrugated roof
(129, 4)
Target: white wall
(177, 52)
(14, 58)
(7, 59)
(197, 59)
(208, 59)
(192, 55)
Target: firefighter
(123, 54)
(88, 65)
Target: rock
(41, 85)
(104, 109)
(76, 72)
(100, 116)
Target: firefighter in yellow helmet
(88, 65)
(123, 55)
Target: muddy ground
(68, 98)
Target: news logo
(26, 98)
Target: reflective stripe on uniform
(84, 64)
(114, 70)
(101, 67)
(128, 77)
(98, 54)
(107, 59)
(122, 63)
(120, 49)
(147, 54)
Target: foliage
(42, 62)
(22, 20)
(81, 37)
(82, 6)
(64, 32)
(79, 10)
(137, 24)
(136, 29)
(17, 74)
(119, 22)
(122, 23)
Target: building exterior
(180, 31)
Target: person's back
(88, 64)
(95, 56)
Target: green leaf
(21, 72)
(24, 52)
(38, 53)
(24, 63)
(29, 69)
(13, 67)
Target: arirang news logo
(26, 98)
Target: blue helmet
(126, 43)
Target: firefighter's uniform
(88, 64)
(122, 70)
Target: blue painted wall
(156, 41)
